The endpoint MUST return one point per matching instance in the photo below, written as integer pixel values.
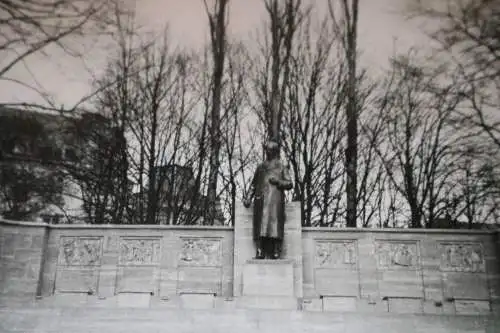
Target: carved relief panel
(200, 252)
(78, 266)
(139, 251)
(397, 255)
(335, 267)
(335, 254)
(80, 251)
(462, 257)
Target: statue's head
(272, 149)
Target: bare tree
(238, 151)
(217, 23)
(33, 27)
(313, 128)
(418, 146)
(372, 175)
(158, 124)
(146, 89)
(468, 32)
(473, 194)
(272, 67)
(97, 166)
(347, 26)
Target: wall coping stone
(115, 226)
(24, 223)
(401, 230)
(228, 228)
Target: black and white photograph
(249, 166)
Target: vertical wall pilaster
(292, 244)
(21, 259)
(108, 269)
(244, 248)
(368, 273)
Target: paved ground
(90, 320)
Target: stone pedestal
(268, 284)
(244, 248)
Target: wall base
(79, 320)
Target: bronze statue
(270, 181)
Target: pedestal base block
(268, 284)
(268, 278)
(267, 303)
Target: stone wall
(444, 272)
(104, 261)
(412, 271)
(21, 255)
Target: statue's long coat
(269, 203)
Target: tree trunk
(152, 186)
(352, 114)
(218, 39)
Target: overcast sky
(381, 27)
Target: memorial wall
(358, 270)
(104, 261)
(403, 271)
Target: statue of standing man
(270, 181)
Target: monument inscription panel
(78, 264)
(199, 268)
(76, 280)
(463, 264)
(335, 267)
(138, 262)
(268, 278)
(398, 265)
(199, 280)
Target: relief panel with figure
(139, 251)
(462, 257)
(200, 252)
(397, 255)
(80, 251)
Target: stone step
(268, 303)
(185, 301)
(79, 320)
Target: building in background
(179, 200)
(60, 168)
(44, 158)
(32, 151)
